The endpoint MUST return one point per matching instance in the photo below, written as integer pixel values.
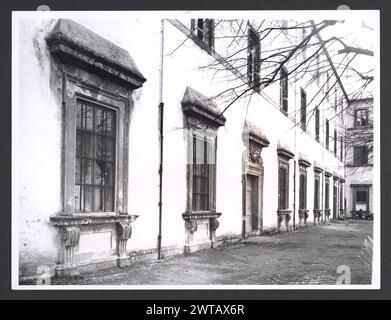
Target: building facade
(97, 185)
(359, 153)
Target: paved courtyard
(306, 256)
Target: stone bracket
(283, 216)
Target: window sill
(78, 219)
(200, 215)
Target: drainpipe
(161, 109)
(294, 193)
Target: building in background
(359, 156)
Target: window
(327, 134)
(317, 124)
(253, 60)
(335, 142)
(303, 109)
(361, 117)
(201, 174)
(341, 148)
(335, 98)
(202, 119)
(284, 90)
(95, 157)
(204, 30)
(317, 191)
(283, 185)
(360, 155)
(361, 198)
(303, 189)
(327, 194)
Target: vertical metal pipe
(161, 113)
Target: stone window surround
(254, 140)
(87, 71)
(303, 165)
(201, 117)
(284, 155)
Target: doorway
(252, 203)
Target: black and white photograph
(195, 149)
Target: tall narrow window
(95, 158)
(317, 192)
(317, 119)
(201, 173)
(303, 110)
(283, 185)
(253, 60)
(303, 189)
(204, 30)
(341, 148)
(327, 134)
(284, 90)
(360, 154)
(327, 194)
(335, 142)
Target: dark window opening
(327, 194)
(335, 142)
(95, 158)
(303, 109)
(303, 191)
(341, 148)
(283, 186)
(204, 30)
(317, 120)
(327, 134)
(360, 155)
(317, 192)
(253, 60)
(362, 196)
(284, 90)
(200, 175)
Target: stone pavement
(306, 256)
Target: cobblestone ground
(306, 256)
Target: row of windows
(204, 29)
(283, 188)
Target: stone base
(125, 262)
(198, 247)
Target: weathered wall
(38, 145)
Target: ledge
(284, 212)
(283, 150)
(327, 172)
(318, 167)
(199, 106)
(303, 160)
(75, 44)
(200, 215)
(255, 134)
(90, 219)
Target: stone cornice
(197, 105)
(303, 161)
(255, 134)
(73, 43)
(284, 151)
